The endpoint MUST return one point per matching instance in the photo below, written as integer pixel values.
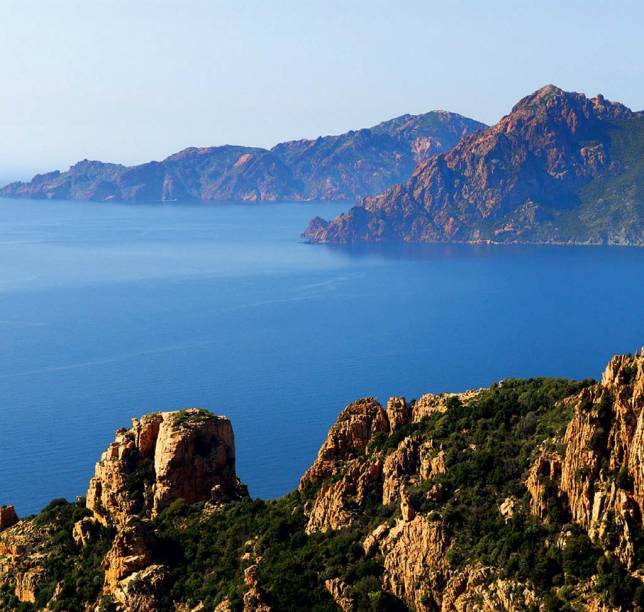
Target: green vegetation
(205, 554)
(76, 569)
(489, 442)
(184, 417)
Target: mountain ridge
(559, 168)
(337, 167)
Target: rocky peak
(398, 412)
(163, 457)
(356, 426)
(512, 181)
(194, 458)
(188, 454)
(551, 99)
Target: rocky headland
(527, 495)
(560, 168)
(343, 167)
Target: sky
(133, 80)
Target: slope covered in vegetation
(524, 495)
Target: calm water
(111, 311)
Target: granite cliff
(527, 495)
(559, 168)
(346, 166)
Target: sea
(111, 311)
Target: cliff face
(526, 495)
(339, 167)
(165, 456)
(111, 539)
(559, 168)
(347, 474)
(600, 475)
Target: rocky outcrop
(545, 471)
(138, 592)
(23, 552)
(398, 412)
(341, 593)
(400, 468)
(164, 457)
(600, 478)
(132, 578)
(194, 454)
(344, 475)
(480, 588)
(426, 497)
(603, 473)
(357, 425)
(417, 571)
(430, 403)
(85, 531)
(28, 584)
(337, 504)
(415, 563)
(131, 551)
(8, 517)
(339, 167)
(560, 168)
(186, 455)
(123, 480)
(255, 597)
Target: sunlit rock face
(165, 456)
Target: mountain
(340, 167)
(527, 495)
(368, 161)
(560, 168)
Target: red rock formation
(515, 181)
(546, 468)
(337, 504)
(356, 426)
(254, 598)
(163, 457)
(195, 452)
(341, 167)
(602, 474)
(415, 562)
(167, 456)
(398, 412)
(131, 551)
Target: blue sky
(133, 80)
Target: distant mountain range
(358, 163)
(560, 168)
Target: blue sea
(109, 311)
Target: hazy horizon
(130, 82)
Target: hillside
(560, 168)
(526, 495)
(340, 167)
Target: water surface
(111, 311)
